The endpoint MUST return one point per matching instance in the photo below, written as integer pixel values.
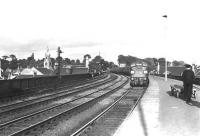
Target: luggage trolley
(176, 90)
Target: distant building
(72, 69)
(79, 69)
(34, 72)
(47, 60)
(63, 71)
(122, 64)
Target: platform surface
(159, 114)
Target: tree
(5, 57)
(13, 57)
(72, 61)
(98, 64)
(175, 63)
(13, 64)
(121, 59)
(112, 65)
(131, 59)
(31, 61)
(22, 63)
(4, 64)
(128, 60)
(150, 61)
(178, 63)
(40, 62)
(78, 61)
(97, 59)
(105, 65)
(59, 59)
(67, 60)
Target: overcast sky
(111, 27)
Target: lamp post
(165, 29)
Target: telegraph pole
(59, 61)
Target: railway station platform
(159, 114)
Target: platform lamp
(165, 27)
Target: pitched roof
(45, 71)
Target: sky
(108, 27)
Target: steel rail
(59, 88)
(31, 115)
(69, 110)
(80, 130)
(51, 96)
(51, 107)
(39, 89)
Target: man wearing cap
(188, 78)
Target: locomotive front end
(139, 75)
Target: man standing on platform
(188, 79)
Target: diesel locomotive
(139, 75)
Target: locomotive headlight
(145, 71)
(132, 72)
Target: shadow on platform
(169, 93)
(193, 102)
(142, 118)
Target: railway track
(34, 99)
(106, 122)
(9, 100)
(12, 112)
(23, 124)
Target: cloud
(39, 46)
(16, 47)
(9, 45)
(81, 44)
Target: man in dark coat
(188, 78)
